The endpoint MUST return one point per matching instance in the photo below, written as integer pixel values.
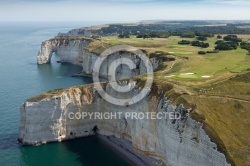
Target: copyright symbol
(106, 67)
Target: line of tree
(174, 29)
(227, 45)
(154, 35)
(208, 52)
(204, 34)
(188, 35)
(230, 42)
(202, 52)
(194, 43)
(123, 36)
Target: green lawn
(213, 65)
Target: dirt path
(224, 97)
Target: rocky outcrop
(70, 51)
(75, 51)
(177, 142)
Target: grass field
(205, 67)
(225, 108)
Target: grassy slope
(223, 105)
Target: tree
(188, 35)
(154, 35)
(227, 46)
(184, 42)
(120, 36)
(200, 44)
(123, 36)
(245, 45)
(204, 34)
(201, 38)
(219, 37)
(205, 45)
(232, 38)
(219, 41)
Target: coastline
(125, 149)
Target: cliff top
(215, 84)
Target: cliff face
(46, 118)
(76, 52)
(177, 142)
(70, 51)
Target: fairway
(211, 66)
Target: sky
(123, 10)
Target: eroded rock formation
(75, 51)
(176, 142)
(45, 118)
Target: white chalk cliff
(75, 52)
(45, 118)
(176, 142)
(70, 51)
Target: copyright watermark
(126, 115)
(106, 67)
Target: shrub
(238, 105)
(184, 42)
(211, 52)
(202, 52)
(201, 38)
(219, 37)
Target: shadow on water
(92, 151)
(59, 75)
(89, 151)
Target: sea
(21, 78)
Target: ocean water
(22, 78)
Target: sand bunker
(170, 76)
(187, 73)
(205, 76)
